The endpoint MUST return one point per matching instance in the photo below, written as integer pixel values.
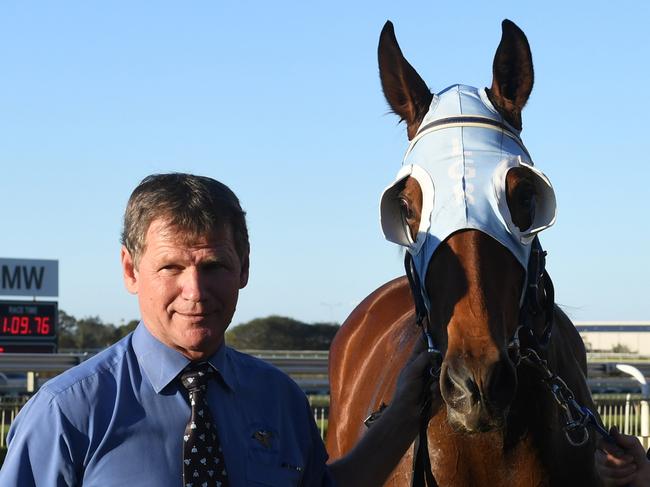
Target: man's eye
(170, 268)
(212, 266)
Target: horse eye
(524, 196)
(522, 205)
(405, 209)
(525, 199)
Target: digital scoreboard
(28, 326)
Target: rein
(422, 472)
(526, 348)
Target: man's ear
(129, 272)
(243, 276)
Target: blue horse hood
(460, 156)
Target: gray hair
(196, 206)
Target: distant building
(615, 336)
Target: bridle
(525, 347)
(538, 299)
(432, 162)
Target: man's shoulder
(259, 372)
(246, 361)
(90, 372)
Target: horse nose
(490, 387)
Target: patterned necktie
(203, 463)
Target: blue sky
(282, 102)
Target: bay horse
(467, 205)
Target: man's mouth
(194, 317)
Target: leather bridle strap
(422, 475)
(416, 291)
(539, 299)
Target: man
(170, 404)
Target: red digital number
(15, 325)
(19, 325)
(43, 325)
(24, 325)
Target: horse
(468, 205)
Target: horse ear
(512, 74)
(406, 93)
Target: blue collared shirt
(118, 419)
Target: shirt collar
(162, 364)
(221, 361)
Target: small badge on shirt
(264, 437)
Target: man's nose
(193, 289)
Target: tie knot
(195, 376)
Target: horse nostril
(458, 388)
(501, 384)
(494, 386)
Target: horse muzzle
(477, 395)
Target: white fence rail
(9, 408)
(38, 362)
(320, 416)
(308, 369)
(625, 414)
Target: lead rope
(422, 473)
(525, 347)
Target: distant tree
(93, 333)
(123, 330)
(319, 336)
(89, 332)
(67, 330)
(281, 333)
(621, 348)
(270, 333)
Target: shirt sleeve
(39, 446)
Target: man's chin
(201, 342)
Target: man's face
(187, 291)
